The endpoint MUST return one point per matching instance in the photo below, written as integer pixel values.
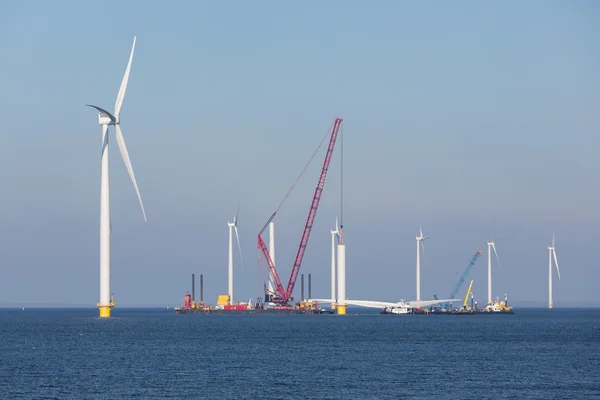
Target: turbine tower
(335, 233)
(420, 240)
(270, 285)
(106, 119)
(491, 245)
(341, 258)
(551, 254)
(233, 226)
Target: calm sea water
(155, 354)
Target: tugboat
(402, 309)
(499, 306)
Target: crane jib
(268, 222)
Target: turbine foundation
(105, 309)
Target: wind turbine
(233, 226)
(551, 254)
(491, 245)
(420, 240)
(335, 233)
(106, 119)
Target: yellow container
(223, 300)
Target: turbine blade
(237, 237)
(235, 218)
(337, 225)
(422, 246)
(125, 155)
(496, 253)
(420, 231)
(123, 87)
(556, 262)
(553, 236)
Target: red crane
(283, 296)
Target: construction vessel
(276, 298)
(226, 306)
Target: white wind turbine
(334, 233)
(551, 254)
(106, 119)
(491, 245)
(420, 246)
(233, 226)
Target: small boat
(499, 306)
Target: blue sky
(474, 120)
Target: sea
(535, 353)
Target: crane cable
(298, 178)
(342, 178)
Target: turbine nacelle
(105, 117)
(336, 232)
(421, 238)
(103, 120)
(492, 246)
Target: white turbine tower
(341, 261)
(420, 245)
(551, 254)
(491, 245)
(106, 119)
(233, 226)
(335, 233)
(270, 283)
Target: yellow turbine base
(549, 305)
(341, 310)
(105, 310)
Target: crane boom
(468, 293)
(462, 278)
(312, 212)
(272, 270)
(465, 274)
